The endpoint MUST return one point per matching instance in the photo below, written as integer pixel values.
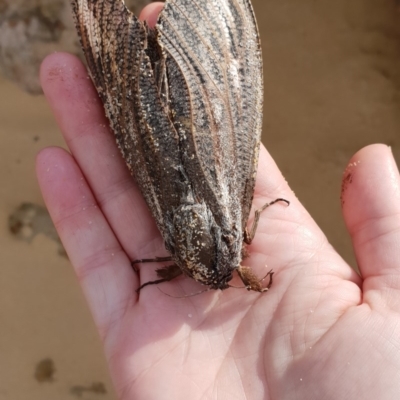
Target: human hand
(321, 332)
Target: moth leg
(149, 260)
(249, 234)
(252, 282)
(166, 274)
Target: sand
(332, 86)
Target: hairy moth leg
(252, 282)
(249, 234)
(165, 274)
(149, 260)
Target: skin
(321, 332)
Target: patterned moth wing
(185, 103)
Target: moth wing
(116, 46)
(215, 46)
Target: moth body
(201, 249)
(184, 101)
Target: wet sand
(332, 86)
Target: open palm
(321, 332)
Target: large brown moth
(185, 103)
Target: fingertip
(55, 66)
(41, 159)
(371, 209)
(371, 177)
(51, 164)
(65, 82)
(46, 66)
(48, 155)
(372, 150)
(150, 13)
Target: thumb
(371, 209)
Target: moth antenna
(150, 260)
(186, 295)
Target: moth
(185, 103)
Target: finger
(270, 185)
(371, 208)
(270, 181)
(102, 267)
(80, 115)
(150, 13)
(288, 235)
(70, 93)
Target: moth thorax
(195, 247)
